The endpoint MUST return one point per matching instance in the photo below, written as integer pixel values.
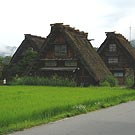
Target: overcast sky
(19, 17)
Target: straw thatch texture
(30, 41)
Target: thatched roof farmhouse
(118, 55)
(68, 52)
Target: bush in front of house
(129, 81)
(109, 81)
(52, 81)
(105, 84)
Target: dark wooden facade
(68, 53)
(119, 56)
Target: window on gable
(118, 74)
(113, 60)
(112, 48)
(60, 50)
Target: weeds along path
(116, 120)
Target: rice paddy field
(26, 106)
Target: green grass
(26, 106)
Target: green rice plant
(25, 106)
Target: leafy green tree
(1, 66)
(17, 69)
(6, 60)
(29, 55)
(1, 58)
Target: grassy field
(25, 106)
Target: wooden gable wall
(58, 40)
(124, 59)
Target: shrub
(129, 81)
(53, 81)
(105, 84)
(109, 81)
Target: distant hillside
(133, 43)
(7, 51)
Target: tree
(1, 65)
(29, 55)
(1, 58)
(21, 66)
(6, 60)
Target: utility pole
(130, 33)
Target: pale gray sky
(19, 17)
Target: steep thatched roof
(30, 41)
(81, 45)
(121, 40)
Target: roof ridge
(33, 36)
(70, 29)
(119, 35)
(77, 31)
(123, 37)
